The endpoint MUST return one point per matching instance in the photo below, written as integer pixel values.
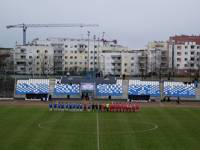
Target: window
(38, 63)
(38, 69)
(192, 58)
(71, 63)
(178, 59)
(178, 65)
(186, 47)
(75, 57)
(179, 47)
(23, 57)
(81, 46)
(91, 57)
(75, 63)
(125, 70)
(66, 46)
(192, 53)
(125, 64)
(95, 46)
(71, 51)
(30, 57)
(91, 63)
(186, 65)
(186, 53)
(192, 65)
(86, 52)
(75, 52)
(85, 57)
(198, 47)
(192, 46)
(80, 63)
(91, 51)
(22, 50)
(66, 63)
(38, 57)
(179, 53)
(65, 57)
(45, 57)
(132, 64)
(38, 51)
(46, 51)
(132, 58)
(186, 59)
(71, 57)
(75, 46)
(95, 52)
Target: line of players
(101, 107)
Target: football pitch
(153, 128)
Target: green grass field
(35, 128)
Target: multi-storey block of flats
(184, 54)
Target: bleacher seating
(109, 89)
(32, 86)
(66, 89)
(137, 87)
(179, 89)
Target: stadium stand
(106, 89)
(137, 87)
(32, 86)
(179, 89)
(66, 89)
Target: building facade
(6, 60)
(180, 55)
(184, 55)
(158, 58)
(63, 56)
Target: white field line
(98, 147)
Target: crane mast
(25, 26)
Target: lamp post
(88, 60)
(94, 54)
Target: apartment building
(62, 55)
(33, 59)
(158, 57)
(134, 62)
(6, 60)
(184, 54)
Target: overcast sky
(132, 22)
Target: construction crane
(25, 26)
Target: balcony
(21, 63)
(143, 56)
